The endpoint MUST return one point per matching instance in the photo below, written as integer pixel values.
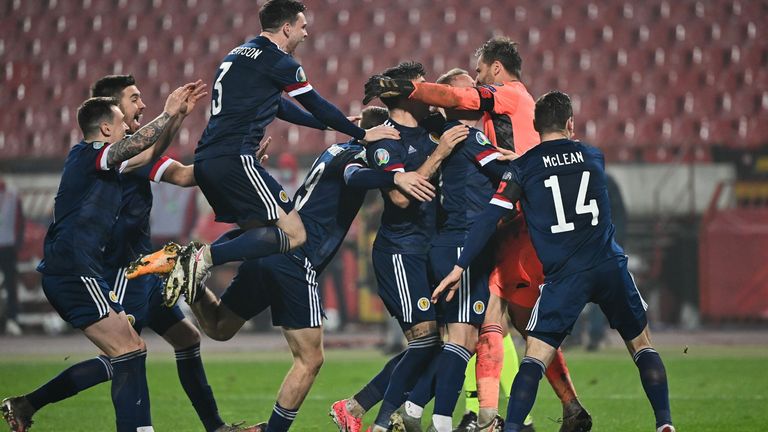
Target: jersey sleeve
(153, 171)
(384, 155)
(290, 76)
(510, 189)
(489, 98)
(99, 156)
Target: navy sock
(424, 389)
(72, 381)
(418, 356)
(130, 394)
(253, 243)
(451, 365)
(192, 377)
(281, 419)
(523, 393)
(653, 375)
(373, 392)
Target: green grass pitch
(712, 389)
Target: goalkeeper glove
(383, 86)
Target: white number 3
(219, 89)
(581, 207)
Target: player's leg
(184, 337)
(19, 410)
(559, 304)
(306, 346)
(348, 413)
(247, 296)
(460, 342)
(130, 394)
(625, 309)
(491, 360)
(653, 376)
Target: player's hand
(507, 155)
(198, 92)
(381, 132)
(450, 283)
(451, 137)
(261, 153)
(177, 99)
(415, 185)
(384, 86)
(355, 118)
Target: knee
(218, 334)
(182, 335)
(311, 363)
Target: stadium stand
(654, 75)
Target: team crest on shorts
(381, 156)
(113, 296)
(478, 307)
(283, 196)
(131, 319)
(423, 304)
(482, 139)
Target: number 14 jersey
(565, 203)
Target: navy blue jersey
(131, 234)
(85, 211)
(565, 203)
(468, 178)
(326, 204)
(245, 97)
(407, 230)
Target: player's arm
(328, 114)
(293, 113)
(502, 203)
(358, 176)
(448, 142)
(191, 93)
(482, 98)
(179, 174)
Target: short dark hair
(408, 70)
(552, 112)
(373, 116)
(111, 85)
(503, 50)
(275, 13)
(93, 111)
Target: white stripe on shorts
(260, 186)
(402, 287)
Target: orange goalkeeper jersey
(508, 110)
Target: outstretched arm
(442, 95)
(292, 113)
(502, 203)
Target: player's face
(132, 107)
(117, 127)
(484, 72)
(297, 33)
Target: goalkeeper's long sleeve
(445, 96)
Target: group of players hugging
(456, 162)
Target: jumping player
(561, 185)
(247, 95)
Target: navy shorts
(609, 284)
(471, 298)
(142, 300)
(286, 283)
(80, 300)
(240, 190)
(404, 286)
